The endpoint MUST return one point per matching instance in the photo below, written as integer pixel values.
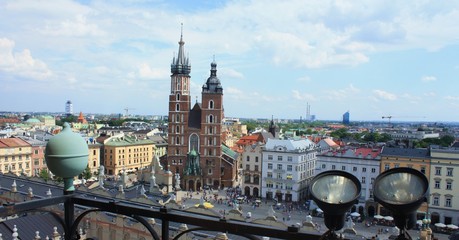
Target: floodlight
(402, 191)
(335, 192)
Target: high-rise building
(69, 108)
(196, 151)
(346, 118)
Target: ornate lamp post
(66, 156)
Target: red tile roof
(14, 142)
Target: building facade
(126, 153)
(251, 169)
(287, 168)
(38, 154)
(195, 141)
(16, 156)
(94, 157)
(418, 159)
(346, 118)
(444, 185)
(363, 163)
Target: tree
(341, 133)
(385, 137)
(444, 141)
(68, 119)
(44, 174)
(87, 174)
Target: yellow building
(160, 144)
(127, 153)
(15, 156)
(418, 159)
(94, 158)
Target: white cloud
(385, 95)
(304, 79)
(302, 96)
(146, 72)
(21, 63)
(430, 94)
(452, 98)
(341, 94)
(230, 73)
(411, 98)
(77, 27)
(428, 79)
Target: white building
(444, 185)
(363, 163)
(287, 168)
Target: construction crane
(388, 117)
(126, 110)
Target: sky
(372, 58)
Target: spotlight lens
(334, 189)
(400, 188)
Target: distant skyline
(371, 58)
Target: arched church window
(211, 118)
(194, 142)
(177, 97)
(177, 107)
(211, 104)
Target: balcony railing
(164, 215)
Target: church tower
(195, 147)
(211, 128)
(179, 109)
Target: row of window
(354, 169)
(364, 180)
(177, 96)
(449, 171)
(396, 165)
(288, 176)
(279, 186)
(280, 167)
(449, 184)
(13, 158)
(13, 166)
(247, 167)
(178, 86)
(280, 158)
(206, 152)
(122, 150)
(248, 159)
(447, 203)
(301, 158)
(256, 179)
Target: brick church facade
(196, 150)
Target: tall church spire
(181, 65)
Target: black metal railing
(140, 213)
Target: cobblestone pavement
(298, 216)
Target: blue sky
(373, 58)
